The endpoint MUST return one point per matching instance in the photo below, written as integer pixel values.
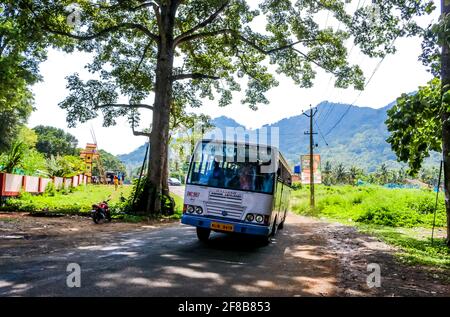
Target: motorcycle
(101, 212)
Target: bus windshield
(231, 166)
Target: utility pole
(311, 155)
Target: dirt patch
(355, 251)
(22, 234)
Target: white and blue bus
(236, 187)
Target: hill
(358, 139)
(133, 159)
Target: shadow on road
(172, 262)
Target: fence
(13, 184)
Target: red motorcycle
(101, 212)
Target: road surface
(307, 258)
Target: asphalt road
(169, 261)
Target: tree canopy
(21, 51)
(180, 52)
(54, 141)
(415, 124)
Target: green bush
(373, 205)
(78, 202)
(385, 216)
(401, 217)
(296, 186)
(50, 190)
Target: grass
(79, 201)
(178, 206)
(400, 217)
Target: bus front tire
(203, 233)
(274, 228)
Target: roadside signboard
(305, 168)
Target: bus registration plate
(221, 226)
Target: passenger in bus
(216, 175)
(246, 178)
(267, 185)
(232, 178)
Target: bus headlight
(249, 217)
(259, 218)
(198, 210)
(190, 209)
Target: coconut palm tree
(327, 177)
(353, 174)
(383, 173)
(340, 173)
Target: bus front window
(225, 171)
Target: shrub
(373, 205)
(50, 189)
(383, 215)
(296, 186)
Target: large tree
(181, 51)
(415, 123)
(21, 50)
(420, 123)
(55, 141)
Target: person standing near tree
(116, 182)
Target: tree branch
(209, 20)
(111, 29)
(139, 133)
(193, 76)
(131, 106)
(142, 58)
(114, 28)
(314, 62)
(236, 34)
(256, 46)
(146, 4)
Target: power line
(365, 86)
(331, 108)
(320, 132)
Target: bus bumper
(239, 227)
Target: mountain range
(348, 134)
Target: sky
(397, 74)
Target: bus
(236, 187)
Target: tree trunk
(445, 81)
(161, 112)
(165, 172)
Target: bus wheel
(274, 228)
(265, 240)
(203, 233)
